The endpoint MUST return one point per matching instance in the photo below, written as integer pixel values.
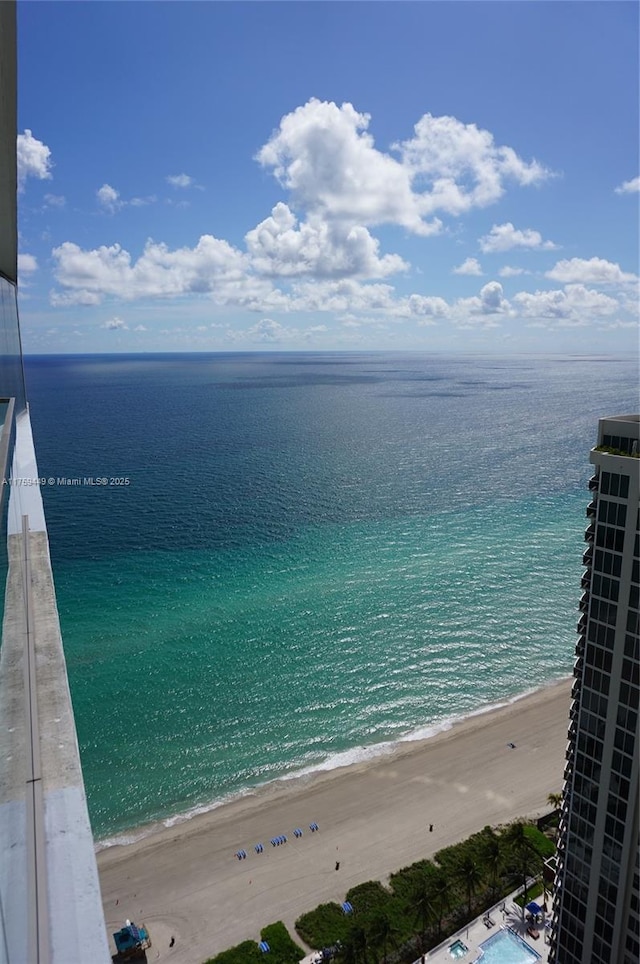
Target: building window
(611, 483)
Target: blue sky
(328, 176)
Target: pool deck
(477, 931)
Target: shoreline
(185, 881)
(365, 755)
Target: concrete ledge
(71, 891)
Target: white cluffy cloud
(576, 305)
(326, 157)
(509, 272)
(115, 324)
(595, 271)
(33, 157)
(629, 187)
(278, 246)
(109, 198)
(470, 266)
(179, 180)
(503, 237)
(27, 264)
(89, 276)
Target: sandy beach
(373, 818)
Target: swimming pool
(458, 949)
(505, 947)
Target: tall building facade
(597, 885)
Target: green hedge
(245, 953)
(323, 926)
(283, 949)
(540, 842)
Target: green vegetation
(398, 923)
(283, 950)
(611, 451)
(323, 926)
(534, 893)
(245, 953)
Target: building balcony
(592, 508)
(583, 605)
(580, 645)
(593, 483)
(587, 557)
(585, 581)
(590, 532)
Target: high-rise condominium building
(597, 886)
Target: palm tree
(554, 800)
(469, 875)
(354, 947)
(493, 858)
(382, 932)
(525, 854)
(441, 892)
(421, 899)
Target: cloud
(54, 200)
(629, 187)
(576, 305)
(425, 309)
(470, 266)
(595, 271)
(140, 328)
(323, 154)
(33, 158)
(266, 330)
(79, 296)
(482, 308)
(509, 272)
(179, 180)
(115, 324)
(279, 247)
(464, 166)
(326, 157)
(109, 198)
(158, 273)
(140, 202)
(503, 237)
(27, 264)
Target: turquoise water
(315, 556)
(506, 948)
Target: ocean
(298, 560)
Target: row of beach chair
(277, 841)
